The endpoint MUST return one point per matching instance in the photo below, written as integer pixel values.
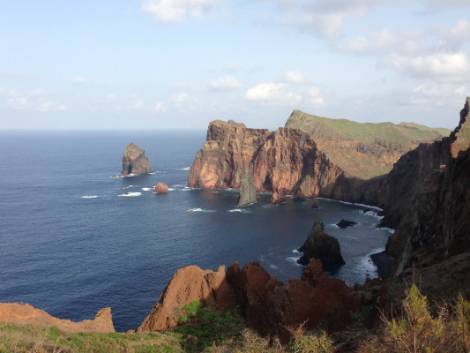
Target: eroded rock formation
(321, 246)
(267, 304)
(284, 162)
(25, 314)
(187, 285)
(134, 161)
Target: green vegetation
(418, 331)
(401, 134)
(210, 331)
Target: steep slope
(363, 150)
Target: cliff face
(427, 195)
(284, 162)
(363, 150)
(134, 161)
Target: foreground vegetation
(206, 330)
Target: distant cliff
(284, 162)
(363, 150)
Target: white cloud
(440, 64)
(172, 11)
(79, 79)
(160, 107)
(315, 96)
(266, 92)
(294, 77)
(438, 94)
(324, 17)
(31, 101)
(225, 83)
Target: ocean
(75, 237)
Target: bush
(417, 331)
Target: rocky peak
(461, 135)
(134, 161)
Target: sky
(178, 64)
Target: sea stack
(321, 246)
(134, 161)
(247, 190)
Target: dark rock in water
(315, 204)
(385, 264)
(344, 223)
(247, 189)
(321, 246)
(134, 161)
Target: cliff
(134, 161)
(363, 150)
(284, 162)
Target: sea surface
(75, 237)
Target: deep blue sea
(75, 238)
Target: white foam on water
(293, 260)
(239, 210)
(296, 251)
(185, 168)
(373, 214)
(179, 186)
(131, 194)
(201, 210)
(367, 266)
(147, 189)
(274, 267)
(171, 189)
(152, 173)
(89, 197)
(333, 225)
(188, 188)
(389, 230)
(127, 187)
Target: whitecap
(202, 210)
(188, 188)
(296, 251)
(171, 189)
(127, 187)
(185, 168)
(147, 189)
(131, 194)
(389, 230)
(89, 197)
(274, 267)
(373, 214)
(239, 210)
(293, 260)
(333, 225)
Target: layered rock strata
(284, 162)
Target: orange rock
(187, 285)
(160, 188)
(25, 314)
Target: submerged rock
(134, 161)
(25, 314)
(321, 246)
(161, 188)
(344, 223)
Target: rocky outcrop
(25, 314)
(134, 161)
(161, 188)
(187, 285)
(344, 223)
(363, 150)
(268, 305)
(321, 246)
(284, 162)
(273, 307)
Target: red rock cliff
(284, 162)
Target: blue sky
(164, 64)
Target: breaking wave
(131, 194)
(89, 197)
(201, 210)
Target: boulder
(160, 188)
(25, 314)
(321, 246)
(189, 284)
(134, 161)
(344, 223)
